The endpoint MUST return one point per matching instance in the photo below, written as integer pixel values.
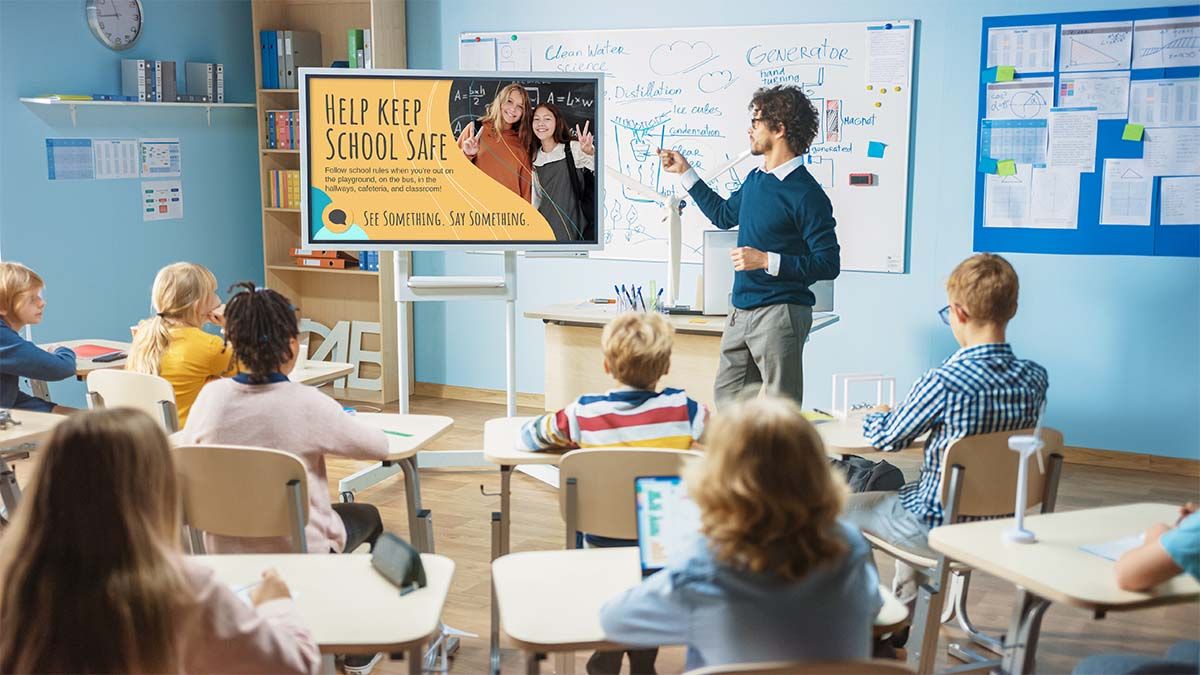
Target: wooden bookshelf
(328, 295)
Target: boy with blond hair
(637, 353)
(21, 304)
(982, 388)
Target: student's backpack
(863, 475)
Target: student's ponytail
(178, 299)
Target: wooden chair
(240, 491)
(597, 494)
(864, 667)
(112, 388)
(979, 481)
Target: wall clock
(115, 23)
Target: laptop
(667, 520)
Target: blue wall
(1119, 335)
(87, 238)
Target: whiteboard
(688, 89)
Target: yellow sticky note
(1006, 167)
(1133, 132)
(1005, 73)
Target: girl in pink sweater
(262, 407)
(92, 578)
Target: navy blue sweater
(21, 358)
(791, 217)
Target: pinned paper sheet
(1172, 151)
(1165, 103)
(888, 53)
(1164, 43)
(1027, 48)
(1127, 193)
(1020, 99)
(1179, 201)
(875, 149)
(1006, 167)
(1006, 198)
(1109, 92)
(1133, 132)
(1054, 200)
(1023, 141)
(1073, 139)
(1095, 46)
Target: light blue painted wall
(87, 238)
(1119, 335)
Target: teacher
(786, 241)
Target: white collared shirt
(689, 178)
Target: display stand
(411, 289)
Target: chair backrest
(115, 388)
(596, 492)
(864, 667)
(990, 472)
(240, 491)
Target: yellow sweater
(193, 359)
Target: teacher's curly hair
(788, 108)
(260, 324)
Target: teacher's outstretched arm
(722, 212)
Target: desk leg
(416, 660)
(495, 647)
(533, 663)
(412, 496)
(1020, 645)
(10, 492)
(505, 507)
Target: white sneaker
(361, 664)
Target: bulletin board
(1030, 211)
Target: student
(556, 192)
(21, 304)
(171, 343)
(637, 353)
(502, 146)
(1166, 551)
(94, 554)
(982, 388)
(775, 575)
(262, 407)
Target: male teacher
(786, 241)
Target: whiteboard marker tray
(456, 282)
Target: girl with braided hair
(262, 407)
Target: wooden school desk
(574, 362)
(15, 443)
(406, 434)
(550, 601)
(1054, 569)
(348, 606)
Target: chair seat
(914, 558)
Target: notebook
(92, 351)
(667, 520)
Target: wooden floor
(461, 524)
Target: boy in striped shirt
(637, 353)
(982, 388)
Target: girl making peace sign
(557, 194)
(500, 148)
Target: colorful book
(354, 43)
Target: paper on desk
(1072, 139)
(1127, 193)
(1111, 550)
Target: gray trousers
(882, 514)
(762, 350)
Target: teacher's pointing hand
(672, 161)
(746, 259)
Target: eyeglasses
(944, 314)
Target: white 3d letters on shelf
(343, 343)
(359, 356)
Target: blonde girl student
(774, 574)
(172, 345)
(21, 304)
(502, 146)
(93, 580)
(262, 407)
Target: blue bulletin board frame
(1089, 238)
